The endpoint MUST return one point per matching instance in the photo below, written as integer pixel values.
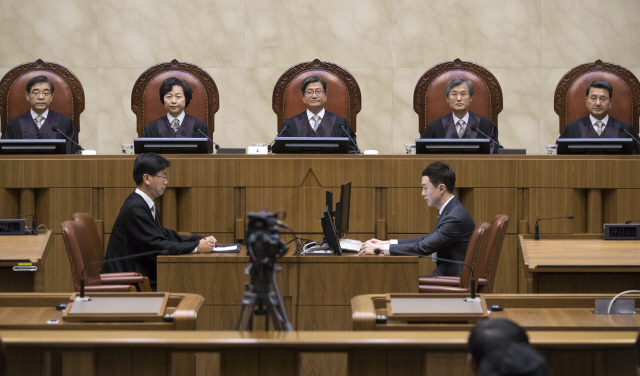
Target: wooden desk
(578, 264)
(429, 353)
(316, 290)
(29, 250)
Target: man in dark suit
(138, 227)
(599, 124)
(459, 123)
(449, 238)
(38, 122)
(316, 121)
(176, 95)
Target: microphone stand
(632, 136)
(284, 127)
(537, 236)
(354, 143)
(202, 133)
(33, 221)
(56, 129)
(474, 128)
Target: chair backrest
(488, 262)
(68, 96)
(78, 245)
(145, 96)
(569, 99)
(343, 92)
(476, 243)
(430, 103)
(91, 231)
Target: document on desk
(226, 248)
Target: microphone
(284, 127)
(537, 237)
(475, 128)
(202, 133)
(56, 129)
(348, 135)
(33, 221)
(632, 136)
(631, 220)
(143, 254)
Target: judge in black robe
(614, 128)
(445, 128)
(24, 127)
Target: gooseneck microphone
(202, 133)
(143, 254)
(33, 221)
(632, 136)
(348, 135)
(472, 286)
(284, 127)
(537, 236)
(56, 129)
(476, 129)
(631, 220)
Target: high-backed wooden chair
(569, 99)
(430, 103)
(145, 97)
(343, 98)
(68, 96)
(83, 245)
(476, 244)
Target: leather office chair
(463, 283)
(430, 103)
(68, 94)
(83, 245)
(343, 99)
(145, 97)
(569, 98)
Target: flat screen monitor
(595, 146)
(35, 146)
(171, 145)
(342, 210)
(311, 145)
(329, 202)
(329, 232)
(453, 146)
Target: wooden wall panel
(545, 172)
(593, 173)
(620, 205)
(186, 171)
(116, 171)
(323, 318)
(58, 276)
(558, 202)
(506, 279)
(56, 205)
(447, 363)
(492, 173)
(484, 203)
(408, 212)
(10, 203)
(51, 173)
(206, 210)
(324, 364)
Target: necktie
(175, 124)
(434, 255)
(460, 128)
(600, 127)
(316, 122)
(153, 211)
(39, 121)
(156, 216)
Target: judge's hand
(206, 245)
(369, 247)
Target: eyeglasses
(37, 93)
(164, 177)
(456, 95)
(317, 92)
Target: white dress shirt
(44, 115)
(604, 121)
(310, 115)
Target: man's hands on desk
(369, 247)
(206, 245)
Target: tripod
(260, 300)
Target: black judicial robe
(24, 127)
(582, 128)
(135, 231)
(331, 126)
(189, 127)
(445, 128)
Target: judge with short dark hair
(38, 122)
(175, 95)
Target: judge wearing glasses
(176, 95)
(316, 121)
(38, 122)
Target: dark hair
(455, 82)
(37, 80)
(488, 334)
(312, 79)
(440, 173)
(169, 83)
(601, 84)
(514, 359)
(150, 164)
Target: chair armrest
(481, 282)
(126, 278)
(440, 289)
(440, 281)
(110, 288)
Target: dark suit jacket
(23, 127)
(449, 238)
(331, 126)
(445, 128)
(135, 231)
(582, 128)
(188, 128)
